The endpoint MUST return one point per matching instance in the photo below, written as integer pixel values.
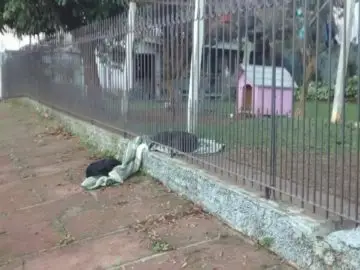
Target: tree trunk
(91, 76)
(175, 63)
(309, 71)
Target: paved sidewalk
(48, 222)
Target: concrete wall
(1, 83)
(2, 60)
(308, 243)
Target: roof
(262, 76)
(224, 46)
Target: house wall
(111, 78)
(65, 67)
(157, 75)
(114, 78)
(283, 101)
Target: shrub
(322, 92)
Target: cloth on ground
(132, 158)
(130, 164)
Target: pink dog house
(255, 90)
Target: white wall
(114, 78)
(339, 21)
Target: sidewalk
(48, 222)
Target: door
(247, 98)
(145, 74)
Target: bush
(352, 88)
(322, 92)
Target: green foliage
(266, 242)
(33, 17)
(352, 88)
(160, 246)
(322, 92)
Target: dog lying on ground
(101, 167)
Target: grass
(292, 133)
(319, 110)
(159, 246)
(313, 132)
(322, 110)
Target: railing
(256, 61)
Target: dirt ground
(327, 173)
(48, 222)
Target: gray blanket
(132, 159)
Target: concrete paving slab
(225, 254)
(37, 227)
(95, 254)
(98, 221)
(15, 195)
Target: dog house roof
(263, 76)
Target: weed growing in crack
(266, 242)
(149, 225)
(160, 245)
(67, 238)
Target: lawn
(312, 133)
(319, 110)
(296, 134)
(322, 110)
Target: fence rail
(265, 90)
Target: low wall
(306, 242)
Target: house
(257, 87)
(147, 73)
(218, 78)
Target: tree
(309, 40)
(304, 32)
(83, 18)
(343, 63)
(176, 48)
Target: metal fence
(255, 76)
